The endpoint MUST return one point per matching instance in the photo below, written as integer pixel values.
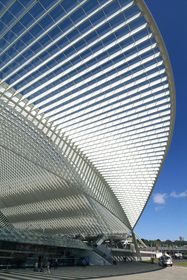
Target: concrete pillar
(139, 258)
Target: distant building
(181, 238)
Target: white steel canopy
(87, 109)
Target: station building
(87, 110)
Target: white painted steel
(87, 109)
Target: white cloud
(179, 195)
(160, 198)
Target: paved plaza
(129, 271)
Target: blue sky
(165, 216)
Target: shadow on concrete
(120, 270)
(92, 272)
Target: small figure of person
(42, 267)
(36, 267)
(48, 267)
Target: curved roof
(91, 80)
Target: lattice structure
(87, 108)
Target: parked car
(165, 260)
(178, 256)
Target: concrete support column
(136, 246)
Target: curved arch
(91, 94)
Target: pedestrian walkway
(72, 273)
